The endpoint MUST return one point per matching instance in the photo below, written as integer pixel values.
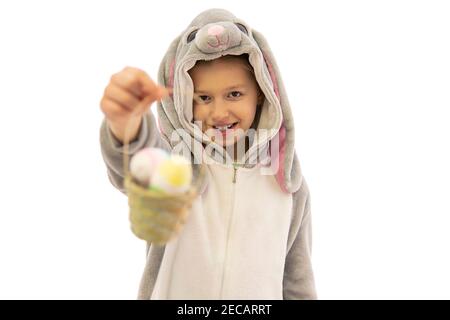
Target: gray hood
(176, 111)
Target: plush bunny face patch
(217, 37)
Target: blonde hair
(230, 57)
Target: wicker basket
(155, 216)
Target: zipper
(235, 168)
(230, 223)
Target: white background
(369, 86)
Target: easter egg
(173, 175)
(144, 163)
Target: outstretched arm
(125, 103)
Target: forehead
(227, 71)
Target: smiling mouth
(227, 127)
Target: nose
(215, 30)
(217, 37)
(219, 112)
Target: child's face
(225, 94)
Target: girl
(221, 98)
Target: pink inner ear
(279, 176)
(281, 134)
(272, 76)
(170, 85)
(281, 157)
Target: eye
(204, 98)
(242, 28)
(235, 94)
(191, 36)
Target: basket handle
(126, 140)
(126, 146)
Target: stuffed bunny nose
(217, 37)
(215, 30)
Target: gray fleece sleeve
(298, 281)
(112, 149)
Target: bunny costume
(248, 235)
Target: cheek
(199, 113)
(250, 113)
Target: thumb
(163, 92)
(144, 105)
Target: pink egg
(144, 162)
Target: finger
(163, 92)
(148, 86)
(144, 104)
(112, 109)
(126, 82)
(154, 90)
(150, 99)
(130, 79)
(121, 96)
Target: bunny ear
(167, 116)
(166, 71)
(289, 174)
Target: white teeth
(223, 127)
